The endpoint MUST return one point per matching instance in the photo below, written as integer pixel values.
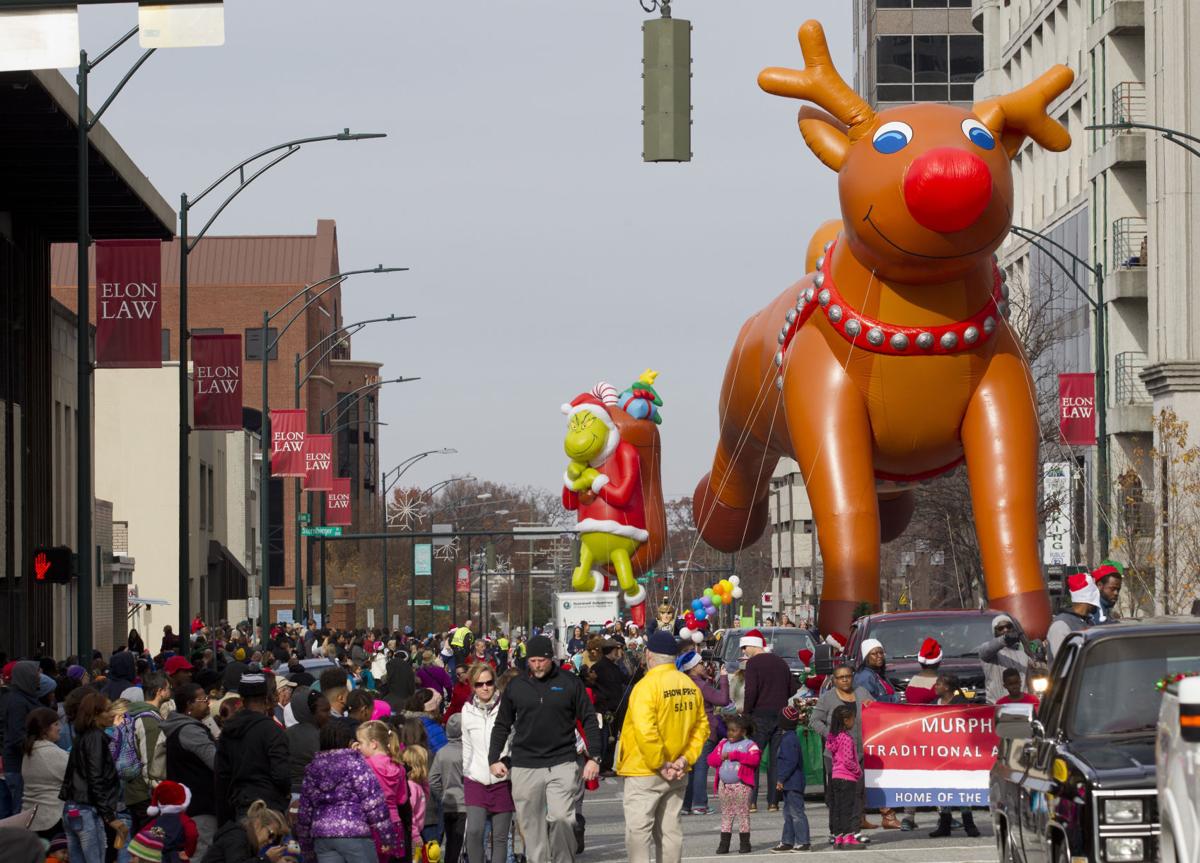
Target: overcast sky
(545, 254)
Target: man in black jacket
(769, 686)
(191, 754)
(541, 709)
(612, 685)
(252, 755)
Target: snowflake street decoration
(407, 511)
(449, 551)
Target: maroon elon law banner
(1077, 409)
(318, 462)
(337, 502)
(217, 382)
(128, 304)
(287, 442)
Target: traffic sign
(441, 608)
(420, 602)
(304, 518)
(321, 530)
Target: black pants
(456, 824)
(842, 796)
(767, 733)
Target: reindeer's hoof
(1031, 609)
(723, 527)
(835, 617)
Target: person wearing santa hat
(1085, 599)
(920, 687)
(1108, 577)
(769, 687)
(171, 835)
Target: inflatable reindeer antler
(819, 83)
(1023, 113)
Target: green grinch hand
(585, 479)
(575, 469)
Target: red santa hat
(837, 642)
(169, 798)
(753, 638)
(931, 653)
(593, 403)
(1083, 589)
(805, 656)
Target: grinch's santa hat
(930, 654)
(753, 638)
(597, 403)
(1083, 589)
(169, 798)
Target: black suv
(959, 631)
(1077, 781)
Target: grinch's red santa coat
(615, 505)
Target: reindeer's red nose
(947, 189)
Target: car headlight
(1040, 685)
(1118, 811)
(1129, 848)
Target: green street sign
(420, 602)
(441, 608)
(304, 518)
(321, 530)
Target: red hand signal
(41, 566)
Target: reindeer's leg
(831, 438)
(1000, 440)
(730, 503)
(895, 512)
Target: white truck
(572, 609)
(1177, 757)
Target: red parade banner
(217, 382)
(287, 443)
(318, 462)
(1077, 409)
(129, 304)
(337, 502)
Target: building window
(928, 68)
(166, 345)
(212, 522)
(204, 525)
(254, 346)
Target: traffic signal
(53, 564)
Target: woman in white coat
(42, 770)
(485, 795)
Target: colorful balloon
(701, 614)
(737, 593)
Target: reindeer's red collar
(883, 338)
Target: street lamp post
(336, 417)
(83, 358)
(386, 485)
(185, 248)
(335, 337)
(1100, 311)
(1180, 139)
(432, 490)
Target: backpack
(123, 747)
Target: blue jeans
(358, 849)
(86, 842)
(795, 819)
(16, 791)
(696, 795)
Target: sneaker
(804, 847)
(753, 807)
(908, 825)
(782, 848)
(862, 838)
(851, 843)
(684, 812)
(699, 810)
(838, 841)
(772, 807)
(833, 840)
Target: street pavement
(606, 836)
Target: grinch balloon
(613, 480)
(892, 361)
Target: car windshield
(959, 636)
(1116, 693)
(783, 642)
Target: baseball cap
(176, 664)
(662, 642)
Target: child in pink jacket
(736, 760)
(380, 745)
(845, 773)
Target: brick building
(231, 281)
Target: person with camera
(1003, 651)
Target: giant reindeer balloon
(892, 361)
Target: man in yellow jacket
(661, 737)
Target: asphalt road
(606, 836)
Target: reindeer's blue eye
(978, 134)
(892, 137)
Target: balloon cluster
(696, 621)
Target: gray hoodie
(446, 775)
(193, 736)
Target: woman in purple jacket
(695, 798)
(433, 676)
(342, 807)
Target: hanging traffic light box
(667, 89)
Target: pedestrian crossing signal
(53, 564)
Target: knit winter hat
(753, 638)
(148, 845)
(868, 645)
(688, 661)
(1083, 589)
(930, 653)
(662, 642)
(169, 798)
